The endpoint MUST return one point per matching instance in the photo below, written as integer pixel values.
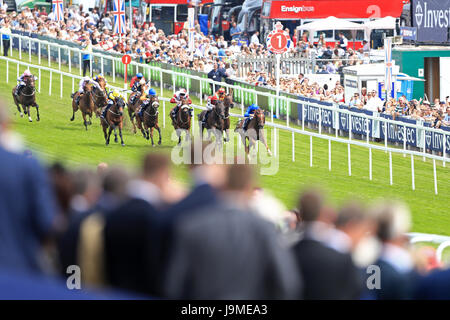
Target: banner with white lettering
(432, 20)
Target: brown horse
(114, 120)
(27, 98)
(228, 103)
(132, 107)
(99, 97)
(254, 131)
(182, 121)
(214, 123)
(150, 119)
(86, 104)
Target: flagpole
(131, 23)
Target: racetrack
(56, 138)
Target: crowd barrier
(410, 134)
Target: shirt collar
(144, 190)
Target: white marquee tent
(330, 23)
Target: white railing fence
(330, 138)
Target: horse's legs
(28, 111)
(37, 111)
(90, 118)
(151, 136)
(120, 134)
(84, 119)
(18, 107)
(130, 113)
(263, 140)
(227, 131)
(109, 135)
(178, 131)
(159, 132)
(105, 127)
(115, 133)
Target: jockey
(177, 97)
(136, 79)
(21, 81)
(138, 87)
(112, 97)
(211, 102)
(83, 81)
(99, 77)
(146, 102)
(220, 94)
(249, 114)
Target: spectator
(397, 269)
(327, 273)
(255, 38)
(26, 223)
(6, 37)
(235, 31)
(243, 259)
(87, 56)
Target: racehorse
(215, 121)
(99, 97)
(114, 120)
(254, 131)
(228, 103)
(150, 120)
(27, 98)
(183, 121)
(86, 104)
(132, 107)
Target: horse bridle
(33, 90)
(219, 115)
(103, 95)
(114, 113)
(184, 106)
(152, 107)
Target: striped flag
(388, 67)
(58, 10)
(119, 16)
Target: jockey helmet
(183, 92)
(139, 75)
(152, 92)
(27, 73)
(221, 91)
(213, 100)
(115, 94)
(86, 78)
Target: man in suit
(27, 208)
(327, 272)
(435, 286)
(397, 273)
(225, 251)
(208, 180)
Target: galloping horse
(99, 97)
(132, 107)
(183, 121)
(228, 103)
(215, 121)
(27, 98)
(254, 131)
(150, 120)
(114, 120)
(86, 104)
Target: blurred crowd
(142, 234)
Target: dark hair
(153, 163)
(310, 204)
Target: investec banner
(432, 20)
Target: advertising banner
(432, 20)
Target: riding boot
(105, 111)
(18, 88)
(246, 121)
(141, 112)
(77, 99)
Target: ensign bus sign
(319, 9)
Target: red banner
(346, 9)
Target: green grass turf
(56, 138)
